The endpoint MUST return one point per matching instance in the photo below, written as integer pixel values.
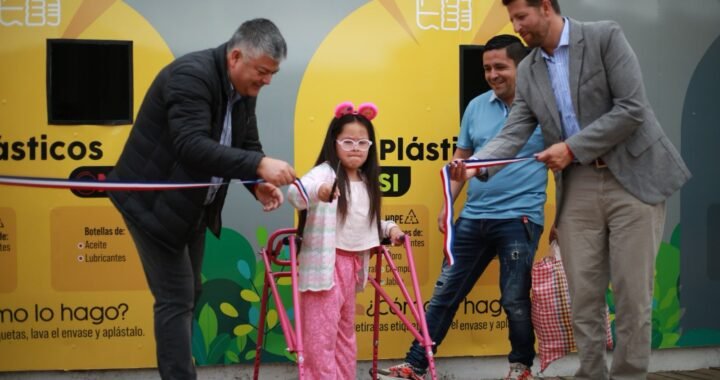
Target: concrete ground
(465, 368)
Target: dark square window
(89, 81)
(472, 75)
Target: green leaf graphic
(208, 325)
(199, 348)
(218, 348)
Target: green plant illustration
(225, 327)
(666, 304)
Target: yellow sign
(70, 280)
(91, 249)
(8, 250)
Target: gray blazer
(616, 121)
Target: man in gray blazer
(614, 168)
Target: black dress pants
(174, 280)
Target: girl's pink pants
(328, 323)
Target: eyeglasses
(350, 145)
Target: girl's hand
(324, 192)
(396, 236)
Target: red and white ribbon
(56, 183)
(449, 235)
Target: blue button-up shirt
(559, 70)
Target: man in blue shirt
(502, 218)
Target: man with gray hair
(196, 124)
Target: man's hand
(460, 173)
(275, 171)
(553, 234)
(269, 195)
(441, 220)
(556, 157)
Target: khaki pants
(607, 235)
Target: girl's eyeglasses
(350, 145)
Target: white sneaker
(401, 371)
(519, 371)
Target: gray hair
(259, 37)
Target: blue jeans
(477, 242)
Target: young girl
(340, 222)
